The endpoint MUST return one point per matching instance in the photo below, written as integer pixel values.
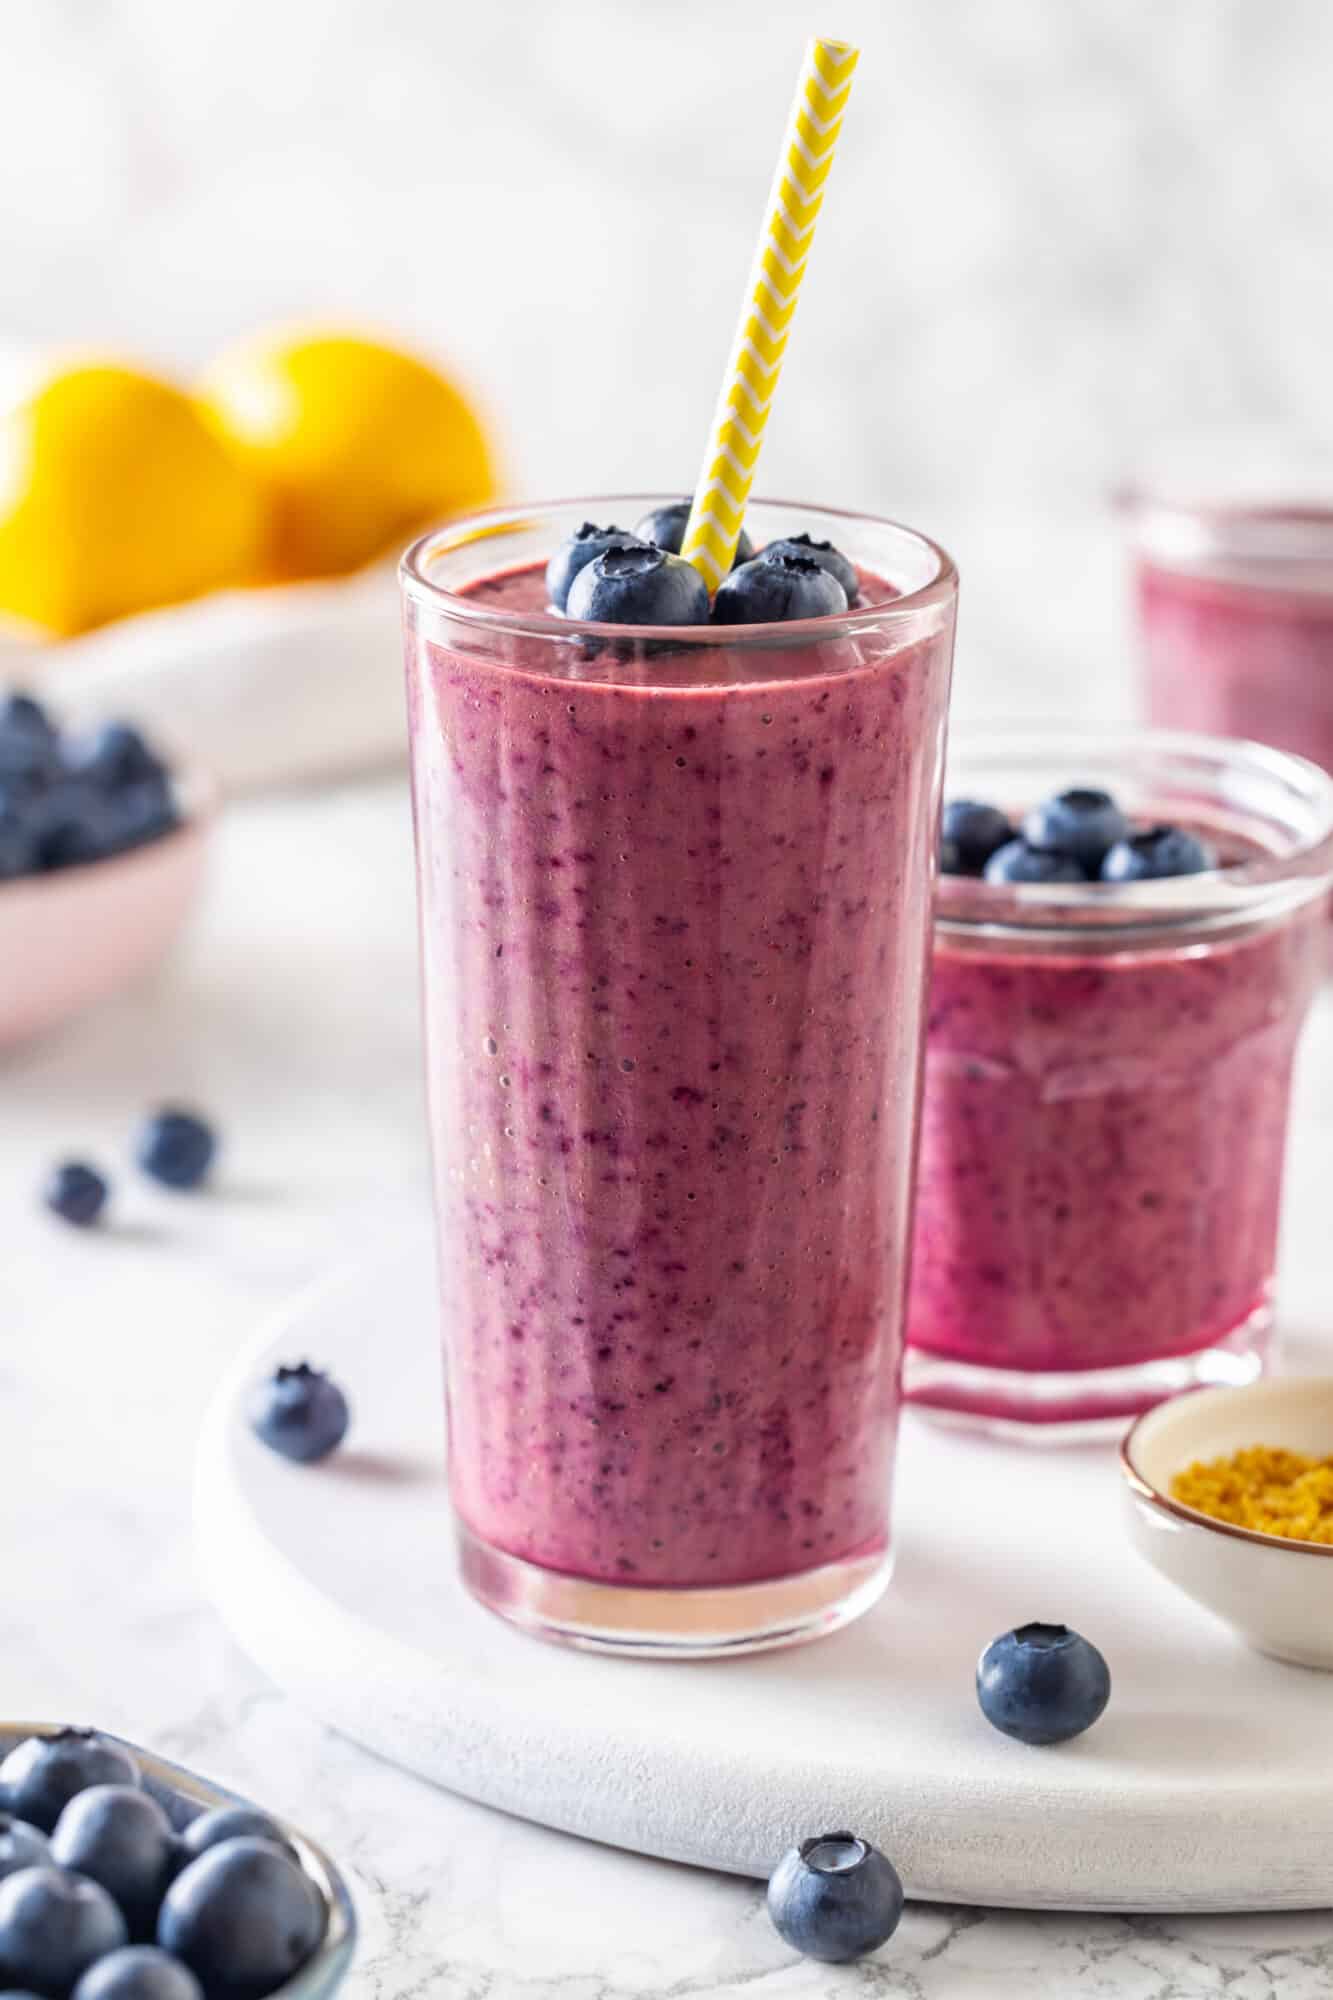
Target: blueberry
(1042, 1684)
(113, 757)
(21, 1845)
(120, 1837)
(835, 1898)
(139, 1972)
(824, 553)
(575, 554)
(139, 813)
(631, 584)
(244, 1917)
(300, 1413)
(229, 1823)
(42, 1774)
(665, 529)
(1156, 853)
(773, 588)
(1082, 823)
(974, 832)
(18, 846)
(176, 1148)
(1017, 862)
(69, 824)
(53, 1924)
(75, 1192)
(29, 745)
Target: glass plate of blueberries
(125, 1877)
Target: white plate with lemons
(216, 560)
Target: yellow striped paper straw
(755, 362)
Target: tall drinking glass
(675, 893)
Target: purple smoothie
(1108, 1074)
(674, 935)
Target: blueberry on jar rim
(575, 553)
(970, 832)
(766, 592)
(1018, 862)
(823, 553)
(1083, 823)
(634, 584)
(1156, 854)
(665, 528)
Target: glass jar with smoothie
(675, 884)
(1233, 592)
(1108, 1071)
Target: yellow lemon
(357, 443)
(117, 494)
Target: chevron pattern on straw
(755, 363)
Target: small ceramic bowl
(1277, 1594)
(70, 938)
(182, 1795)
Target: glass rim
(1177, 522)
(1103, 914)
(939, 589)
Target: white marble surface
(111, 1345)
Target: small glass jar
(1233, 596)
(1108, 1072)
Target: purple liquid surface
(674, 944)
(1102, 1147)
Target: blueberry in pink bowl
(161, 1887)
(72, 798)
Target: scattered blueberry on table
(76, 1192)
(300, 1413)
(575, 553)
(244, 1917)
(665, 529)
(1155, 854)
(1042, 1683)
(74, 798)
(778, 587)
(835, 1898)
(53, 1925)
(41, 1775)
(633, 584)
(177, 1148)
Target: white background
(1056, 229)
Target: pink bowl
(69, 939)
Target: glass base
(1081, 1405)
(669, 1624)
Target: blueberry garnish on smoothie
(1155, 854)
(1082, 823)
(970, 832)
(1018, 861)
(824, 553)
(631, 583)
(778, 587)
(574, 554)
(665, 529)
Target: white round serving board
(1206, 1785)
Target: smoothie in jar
(675, 892)
(1108, 1075)
(1234, 606)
